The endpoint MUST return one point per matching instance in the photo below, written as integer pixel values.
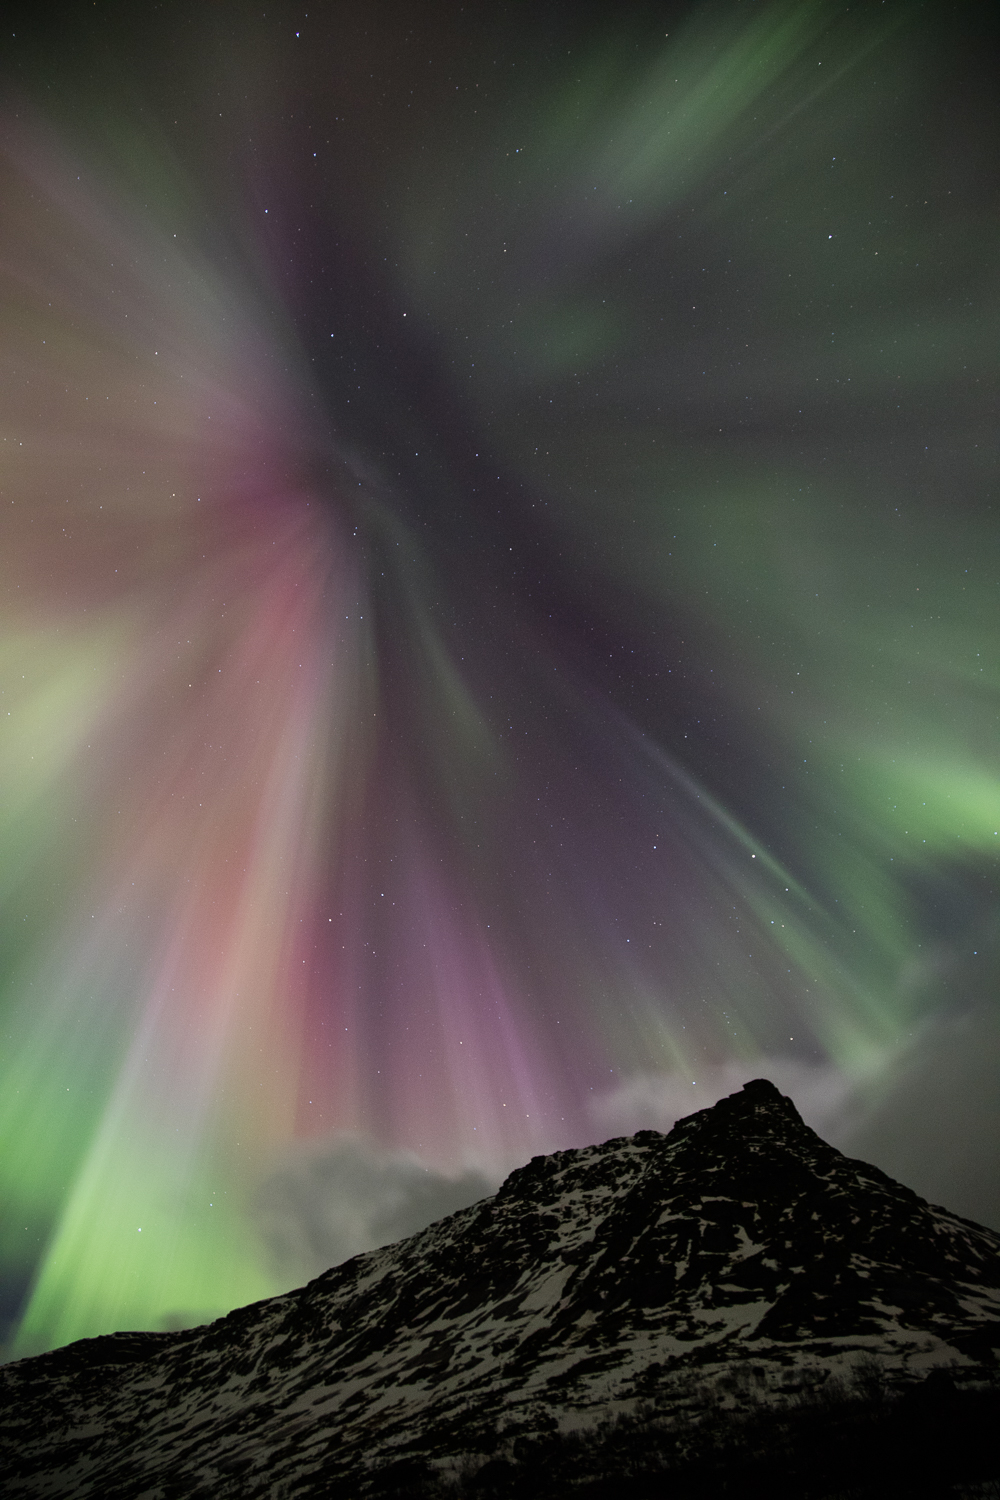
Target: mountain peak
(759, 1106)
(760, 1093)
(595, 1282)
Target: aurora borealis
(499, 643)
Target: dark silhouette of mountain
(719, 1307)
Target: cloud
(656, 1101)
(931, 1118)
(329, 1201)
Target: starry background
(499, 593)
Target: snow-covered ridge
(593, 1281)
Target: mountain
(659, 1295)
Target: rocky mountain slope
(662, 1274)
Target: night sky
(499, 613)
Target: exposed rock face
(632, 1271)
